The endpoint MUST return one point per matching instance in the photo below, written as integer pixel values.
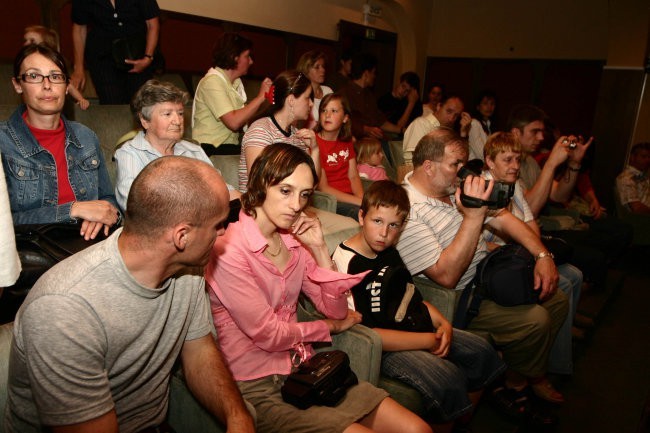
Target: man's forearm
(211, 382)
(538, 195)
(79, 44)
(153, 30)
(455, 259)
(520, 232)
(562, 189)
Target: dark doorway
(380, 43)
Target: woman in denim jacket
(54, 168)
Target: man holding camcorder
(443, 240)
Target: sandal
(510, 402)
(544, 389)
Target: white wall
(551, 29)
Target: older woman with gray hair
(158, 107)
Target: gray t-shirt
(89, 338)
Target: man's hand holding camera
(474, 187)
(569, 148)
(499, 197)
(576, 150)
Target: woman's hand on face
(95, 213)
(309, 137)
(308, 231)
(338, 326)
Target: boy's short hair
(386, 193)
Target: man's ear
(180, 236)
(427, 166)
(516, 132)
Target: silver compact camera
(572, 143)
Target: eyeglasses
(54, 78)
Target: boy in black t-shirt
(449, 367)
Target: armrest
(324, 201)
(442, 298)
(362, 344)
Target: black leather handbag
(322, 380)
(41, 246)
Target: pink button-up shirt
(254, 304)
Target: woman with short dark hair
(220, 110)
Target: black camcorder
(499, 198)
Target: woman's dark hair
(154, 92)
(345, 134)
(276, 162)
(43, 50)
(227, 48)
(288, 83)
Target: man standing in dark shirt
(101, 28)
(402, 105)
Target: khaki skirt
(276, 416)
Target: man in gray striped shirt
(443, 241)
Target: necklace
(287, 132)
(267, 250)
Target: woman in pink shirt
(255, 274)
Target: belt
(161, 428)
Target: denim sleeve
(44, 215)
(106, 190)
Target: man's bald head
(173, 190)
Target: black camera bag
(505, 276)
(322, 380)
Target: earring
(291, 115)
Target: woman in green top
(220, 110)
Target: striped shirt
(431, 227)
(262, 133)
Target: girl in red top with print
(339, 175)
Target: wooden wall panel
(15, 17)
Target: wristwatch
(544, 254)
(149, 56)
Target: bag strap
(468, 305)
(470, 300)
